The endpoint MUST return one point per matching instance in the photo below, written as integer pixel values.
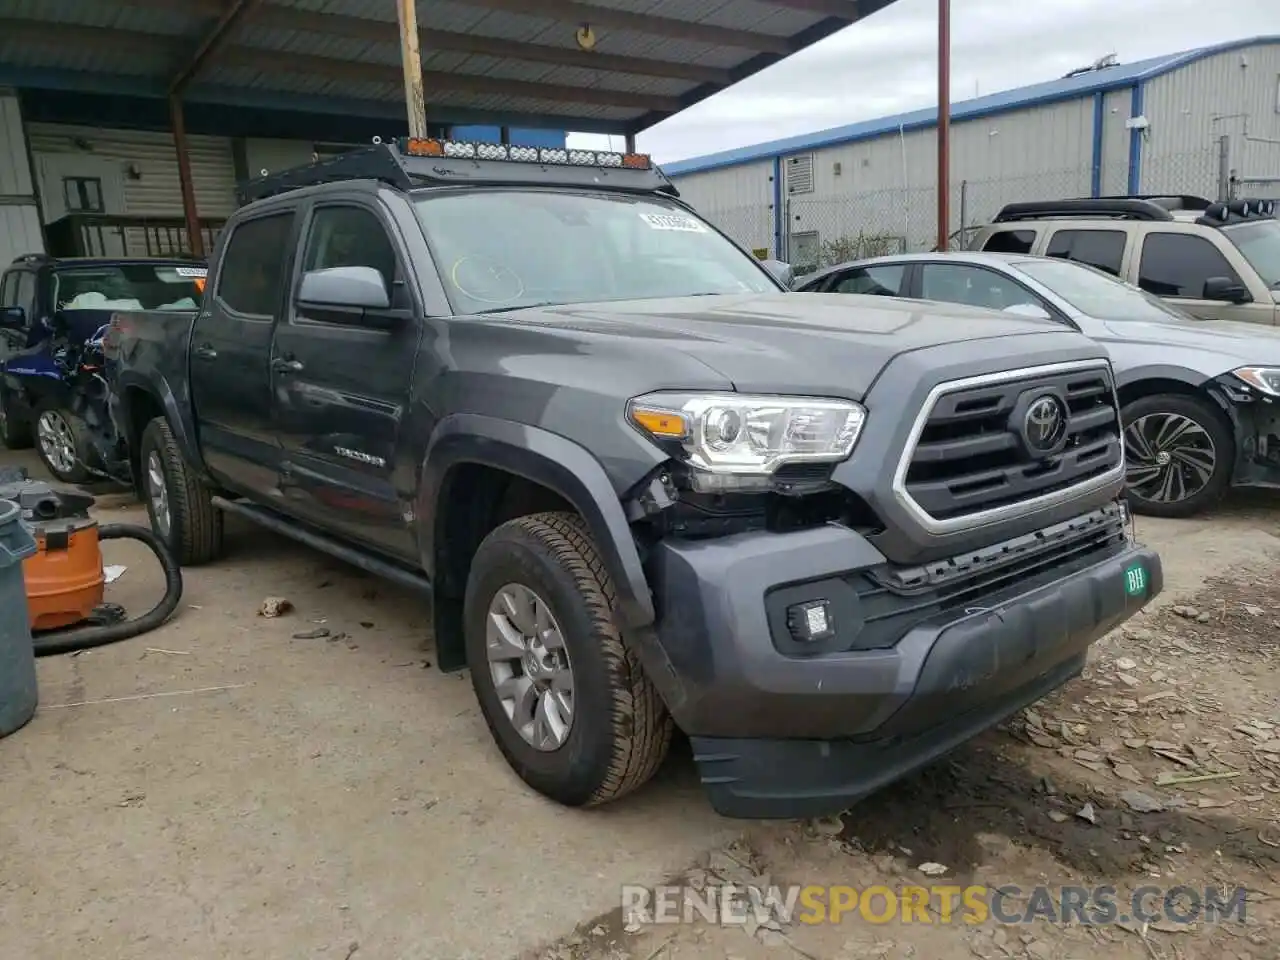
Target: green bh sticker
(1135, 580)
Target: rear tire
(15, 433)
(178, 502)
(1180, 455)
(618, 730)
(62, 443)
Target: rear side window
(1011, 241)
(8, 289)
(1178, 264)
(1103, 249)
(251, 277)
(885, 281)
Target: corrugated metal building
(1203, 122)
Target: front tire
(1180, 454)
(178, 502)
(62, 443)
(565, 698)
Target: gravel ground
(230, 787)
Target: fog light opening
(810, 622)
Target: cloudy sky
(887, 63)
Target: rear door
(1103, 249)
(342, 389)
(230, 351)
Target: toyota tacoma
(644, 486)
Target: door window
(1178, 264)
(1103, 249)
(883, 281)
(975, 286)
(350, 237)
(253, 265)
(9, 289)
(1011, 241)
(26, 297)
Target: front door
(231, 351)
(342, 390)
(1176, 266)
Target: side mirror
(13, 318)
(782, 272)
(343, 294)
(1030, 310)
(1226, 289)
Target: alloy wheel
(1169, 457)
(530, 666)
(158, 495)
(57, 441)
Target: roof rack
(417, 162)
(1120, 208)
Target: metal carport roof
(513, 62)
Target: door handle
(281, 365)
(205, 352)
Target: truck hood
(806, 343)
(1210, 347)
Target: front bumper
(780, 734)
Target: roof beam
(386, 31)
(846, 9)
(574, 13)
(215, 38)
(277, 62)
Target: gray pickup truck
(643, 486)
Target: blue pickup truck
(53, 313)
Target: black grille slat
(970, 456)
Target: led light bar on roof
(465, 150)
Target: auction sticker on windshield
(191, 271)
(670, 221)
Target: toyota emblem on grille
(1044, 425)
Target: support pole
(630, 143)
(944, 122)
(194, 235)
(411, 59)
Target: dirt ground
(236, 786)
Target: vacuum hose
(84, 638)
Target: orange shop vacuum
(64, 580)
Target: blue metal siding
(1135, 142)
(1053, 91)
(523, 136)
(777, 208)
(1099, 113)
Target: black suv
(643, 485)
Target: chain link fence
(818, 232)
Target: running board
(327, 544)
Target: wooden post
(195, 238)
(944, 123)
(411, 59)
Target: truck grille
(999, 441)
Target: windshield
(1098, 294)
(505, 249)
(131, 286)
(1259, 243)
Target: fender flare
(1161, 371)
(554, 462)
(160, 392)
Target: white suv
(1216, 261)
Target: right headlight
(749, 436)
(1263, 379)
